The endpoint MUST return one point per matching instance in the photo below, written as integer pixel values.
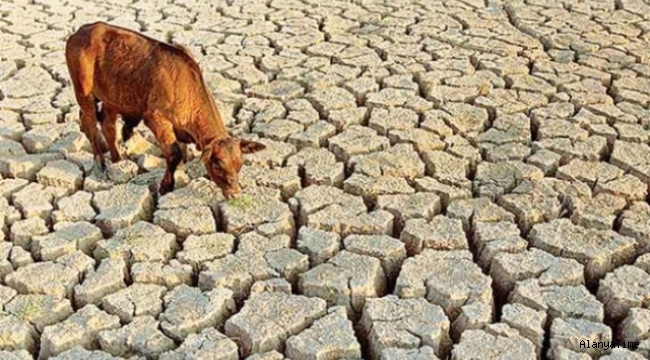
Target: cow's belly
(183, 136)
(118, 89)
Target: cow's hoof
(165, 187)
(101, 165)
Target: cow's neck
(209, 124)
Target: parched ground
(453, 179)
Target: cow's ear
(249, 147)
(207, 154)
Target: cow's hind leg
(110, 133)
(164, 132)
(81, 68)
(88, 120)
(100, 116)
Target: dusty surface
(453, 179)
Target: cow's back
(129, 66)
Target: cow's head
(223, 160)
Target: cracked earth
(453, 179)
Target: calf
(136, 77)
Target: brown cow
(137, 77)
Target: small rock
(272, 218)
(342, 119)
(140, 337)
(628, 186)
(622, 289)
(8, 187)
(122, 172)
(399, 161)
(198, 193)
(370, 188)
(330, 336)
(256, 326)
(79, 353)
(409, 324)
(447, 193)
(466, 118)
(6, 294)
(25, 166)
(347, 279)
(319, 245)
(140, 242)
(278, 130)
(529, 322)
(570, 333)
(148, 162)
(474, 316)
(121, 206)
(330, 99)
(502, 346)
(135, 300)
(208, 344)
(67, 238)
(61, 174)
(19, 257)
(446, 278)
(314, 136)
(599, 212)
(496, 179)
(79, 329)
(186, 221)
(108, 278)
(169, 275)
(188, 310)
(440, 233)
(49, 278)
(547, 161)
(421, 205)
(36, 200)
(257, 258)
(16, 355)
(635, 327)
(286, 179)
(509, 268)
(534, 202)
(362, 86)
(76, 207)
(599, 251)
(562, 353)
(277, 90)
(447, 168)
(356, 140)
(385, 121)
(423, 353)
(422, 140)
(271, 285)
(589, 172)
(634, 222)
(23, 231)
(15, 334)
(559, 301)
(198, 249)
(492, 238)
(391, 252)
(622, 354)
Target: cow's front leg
(164, 132)
(129, 124)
